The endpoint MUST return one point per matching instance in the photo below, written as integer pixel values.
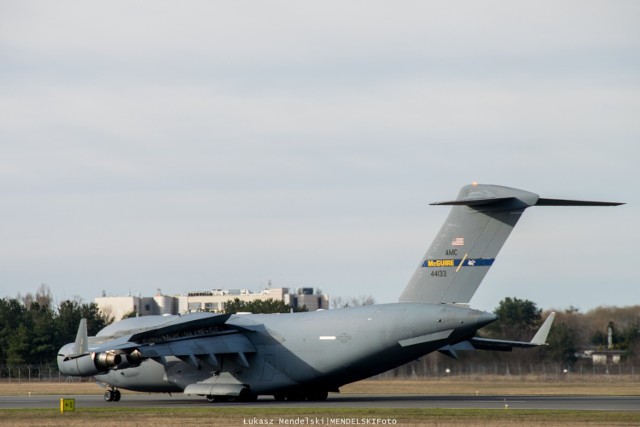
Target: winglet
(82, 342)
(477, 343)
(540, 338)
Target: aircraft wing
(191, 338)
(203, 348)
(477, 343)
(183, 326)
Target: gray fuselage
(322, 349)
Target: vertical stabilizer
(479, 223)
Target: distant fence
(544, 371)
(37, 373)
(418, 369)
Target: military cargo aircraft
(304, 356)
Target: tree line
(572, 332)
(32, 329)
(270, 305)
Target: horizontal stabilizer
(563, 202)
(540, 202)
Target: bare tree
(43, 297)
(339, 302)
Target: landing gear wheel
(280, 397)
(318, 395)
(112, 395)
(296, 396)
(247, 396)
(211, 398)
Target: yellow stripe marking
(462, 262)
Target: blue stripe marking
(478, 262)
(473, 262)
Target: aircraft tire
(211, 398)
(116, 395)
(247, 396)
(317, 395)
(279, 397)
(108, 396)
(296, 397)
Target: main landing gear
(302, 395)
(245, 396)
(112, 395)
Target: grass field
(330, 416)
(239, 416)
(503, 385)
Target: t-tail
(464, 250)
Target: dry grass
(307, 416)
(236, 416)
(502, 385)
(62, 388)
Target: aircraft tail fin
(81, 345)
(480, 221)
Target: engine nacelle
(88, 364)
(129, 360)
(106, 361)
(134, 358)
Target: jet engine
(88, 364)
(130, 360)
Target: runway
(597, 403)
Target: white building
(214, 300)
(312, 300)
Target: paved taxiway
(603, 403)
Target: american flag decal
(458, 241)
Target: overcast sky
(194, 145)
